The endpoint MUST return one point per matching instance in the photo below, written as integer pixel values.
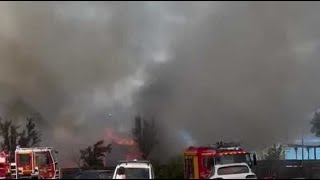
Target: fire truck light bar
(231, 148)
(232, 153)
(227, 145)
(34, 148)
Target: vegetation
(173, 169)
(29, 136)
(315, 124)
(276, 152)
(93, 157)
(145, 135)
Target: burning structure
(123, 147)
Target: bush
(173, 169)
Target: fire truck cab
(199, 161)
(37, 162)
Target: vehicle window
(229, 159)
(188, 167)
(233, 170)
(54, 156)
(105, 175)
(137, 173)
(42, 158)
(88, 175)
(208, 162)
(249, 160)
(204, 162)
(24, 159)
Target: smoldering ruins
(240, 71)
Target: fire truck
(36, 162)
(199, 161)
(4, 165)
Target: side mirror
(254, 159)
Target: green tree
(315, 124)
(275, 152)
(28, 137)
(145, 135)
(93, 157)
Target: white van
(233, 171)
(135, 170)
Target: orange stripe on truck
(196, 167)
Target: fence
(289, 169)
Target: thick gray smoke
(243, 72)
(216, 70)
(74, 63)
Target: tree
(29, 137)
(145, 135)
(276, 152)
(315, 122)
(93, 157)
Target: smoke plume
(73, 63)
(240, 71)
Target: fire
(110, 135)
(133, 150)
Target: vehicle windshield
(24, 159)
(235, 158)
(42, 158)
(137, 173)
(233, 170)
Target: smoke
(73, 63)
(242, 72)
(216, 70)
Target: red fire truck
(4, 165)
(37, 162)
(199, 161)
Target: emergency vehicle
(199, 161)
(36, 162)
(4, 165)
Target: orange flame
(133, 153)
(110, 135)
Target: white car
(135, 170)
(233, 171)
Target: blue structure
(294, 152)
(311, 149)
